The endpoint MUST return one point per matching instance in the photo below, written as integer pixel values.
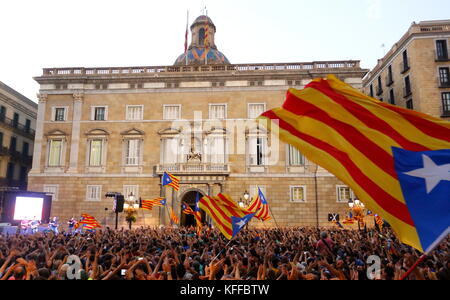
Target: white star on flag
(432, 173)
(241, 224)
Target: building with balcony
(416, 70)
(119, 129)
(17, 129)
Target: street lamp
(131, 206)
(357, 208)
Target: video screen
(28, 208)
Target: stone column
(75, 138)
(38, 140)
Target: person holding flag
(198, 214)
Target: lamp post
(357, 209)
(245, 203)
(131, 206)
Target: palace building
(103, 130)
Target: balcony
(389, 81)
(17, 127)
(194, 168)
(21, 158)
(407, 92)
(379, 91)
(444, 84)
(442, 57)
(404, 66)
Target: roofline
(18, 95)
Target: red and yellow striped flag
(356, 137)
(174, 217)
(226, 214)
(89, 222)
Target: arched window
(201, 36)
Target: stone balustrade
(322, 66)
(193, 168)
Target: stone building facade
(415, 73)
(119, 129)
(17, 129)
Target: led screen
(28, 208)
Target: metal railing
(17, 126)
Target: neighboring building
(416, 72)
(17, 129)
(118, 129)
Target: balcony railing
(194, 168)
(323, 66)
(20, 157)
(444, 84)
(17, 126)
(405, 66)
(379, 91)
(407, 91)
(389, 80)
(442, 57)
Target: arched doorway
(189, 198)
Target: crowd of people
(180, 254)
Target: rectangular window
(59, 114)
(95, 153)
(390, 78)
(410, 104)
(170, 151)
(99, 113)
(444, 77)
(13, 144)
(446, 103)
(405, 61)
(392, 97)
(295, 157)
(16, 120)
(27, 125)
(255, 110)
(131, 189)
(55, 153)
(371, 91)
(25, 149)
(216, 150)
(2, 113)
(217, 111)
(407, 86)
(298, 194)
(133, 152)
(257, 151)
(1, 139)
(172, 112)
(52, 190)
(441, 50)
(93, 193)
(135, 112)
(23, 174)
(344, 194)
(10, 171)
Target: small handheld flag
(149, 204)
(170, 180)
(187, 210)
(173, 217)
(260, 207)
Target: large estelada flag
(227, 216)
(396, 160)
(149, 204)
(260, 206)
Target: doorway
(189, 198)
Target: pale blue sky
(96, 33)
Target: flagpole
(421, 259)
(187, 35)
(207, 41)
(220, 252)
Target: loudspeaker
(119, 201)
